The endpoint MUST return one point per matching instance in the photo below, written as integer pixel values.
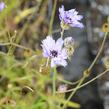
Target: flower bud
(106, 61)
(69, 46)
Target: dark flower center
(54, 53)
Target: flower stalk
(89, 69)
(72, 94)
(88, 82)
(54, 80)
(99, 52)
(52, 18)
(62, 33)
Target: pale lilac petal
(49, 42)
(71, 12)
(59, 44)
(64, 54)
(79, 17)
(2, 6)
(62, 13)
(45, 52)
(78, 24)
(47, 45)
(58, 62)
(53, 64)
(63, 63)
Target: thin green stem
(72, 94)
(68, 82)
(89, 69)
(90, 81)
(17, 39)
(62, 33)
(52, 18)
(99, 52)
(98, 76)
(12, 39)
(47, 62)
(54, 80)
(16, 45)
(4, 44)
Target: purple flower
(70, 17)
(55, 51)
(62, 88)
(2, 6)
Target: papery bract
(69, 46)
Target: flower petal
(63, 63)
(61, 13)
(2, 6)
(64, 54)
(53, 64)
(48, 44)
(59, 44)
(78, 24)
(58, 62)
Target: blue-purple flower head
(54, 50)
(2, 6)
(70, 18)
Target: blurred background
(27, 23)
(95, 12)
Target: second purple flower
(70, 18)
